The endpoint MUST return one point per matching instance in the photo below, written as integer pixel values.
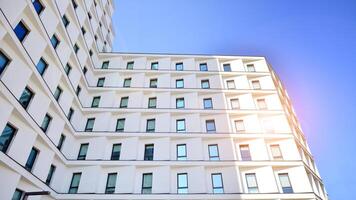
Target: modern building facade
(80, 122)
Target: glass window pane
(239, 125)
(180, 125)
(181, 152)
(203, 67)
(208, 103)
(41, 66)
(4, 61)
(213, 152)
(120, 125)
(231, 84)
(153, 83)
(17, 195)
(152, 102)
(180, 83)
(26, 97)
(6, 137)
(227, 67)
(179, 66)
(154, 66)
(205, 84)
(180, 103)
(130, 65)
(150, 127)
(235, 104)
(127, 82)
(210, 126)
(31, 159)
(245, 152)
(21, 31)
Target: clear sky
(310, 44)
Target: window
(180, 103)
(182, 183)
(90, 53)
(179, 66)
(127, 82)
(218, 187)
(154, 66)
(41, 66)
(245, 152)
(239, 125)
(256, 85)
(180, 125)
(65, 21)
(235, 103)
(6, 137)
(251, 181)
(83, 30)
(210, 126)
(205, 84)
(261, 103)
(61, 141)
(208, 103)
(276, 152)
(74, 184)
(75, 5)
(90, 124)
(227, 67)
(4, 62)
(152, 102)
(130, 65)
(45, 123)
(100, 82)
(21, 31)
(181, 152)
(150, 126)
(111, 183)
(105, 65)
(213, 152)
(77, 91)
(179, 83)
(285, 183)
(54, 41)
(38, 6)
(120, 125)
(203, 67)
(89, 15)
(26, 97)
(153, 83)
(85, 70)
(146, 183)
(52, 169)
(149, 148)
(17, 195)
(95, 102)
(124, 102)
(116, 151)
(57, 93)
(76, 48)
(83, 151)
(31, 159)
(251, 68)
(230, 84)
(67, 68)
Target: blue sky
(310, 44)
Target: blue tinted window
(38, 6)
(54, 41)
(6, 137)
(31, 159)
(21, 31)
(4, 61)
(203, 67)
(41, 66)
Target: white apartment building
(78, 121)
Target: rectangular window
(208, 103)
(276, 152)
(105, 65)
(261, 103)
(31, 159)
(95, 102)
(83, 151)
(217, 181)
(90, 125)
(150, 126)
(57, 93)
(154, 66)
(147, 183)
(210, 126)
(61, 142)
(180, 103)
(251, 181)
(4, 62)
(152, 102)
(77, 91)
(227, 67)
(179, 83)
(6, 137)
(76, 49)
(100, 82)
(205, 84)
(74, 184)
(127, 82)
(124, 102)
(130, 65)
(54, 41)
(85, 70)
(213, 152)
(179, 66)
(65, 21)
(239, 125)
(52, 169)
(245, 152)
(251, 68)
(45, 123)
(83, 30)
(153, 83)
(75, 5)
(180, 125)
(235, 103)
(67, 68)
(203, 67)
(116, 151)
(182, 183)
(230, 84)
(285, 183)
(149, 148)
(26, 97)
(256, 85)
(181, 152)
(17, 194)
(41, 66)
(111, 183)
(120, 125)
(38, 6)
(21, 31)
